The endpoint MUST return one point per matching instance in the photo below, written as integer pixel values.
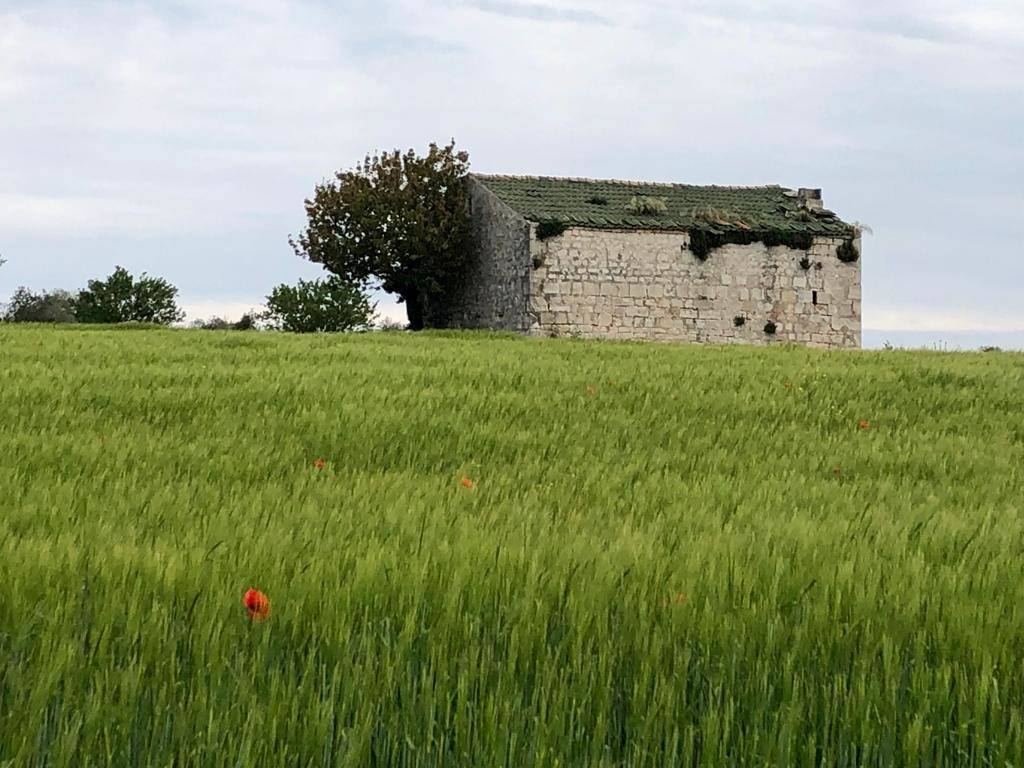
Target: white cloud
(928, 319)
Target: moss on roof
(614, 205)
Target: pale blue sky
(180, 138)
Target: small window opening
(814, 298)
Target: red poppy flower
(864, 424)
(319, 463)
(467, 483)
(257, 604)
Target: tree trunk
(414, 308)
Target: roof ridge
(625, 182)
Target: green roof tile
(539, 198)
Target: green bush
(28, 307)
(123, 299)
(246, 322)
(216, 323)
(312, 306)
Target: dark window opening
(814, 298)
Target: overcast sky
(180, 137)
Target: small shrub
(770, 328)
(739, 321)
(215, 323)
(847, 252)
(647, 206)
(546, 229)
(391, 326)
(313, 306)
(246, 322)
(805, 264)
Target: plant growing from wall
(805, 264)
(770, 328)
(739, 321)
(704, 240)
(547, 229)
(847, 251)
(647, 206)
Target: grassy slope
(662, 570)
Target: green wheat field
(517, 552)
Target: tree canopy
(46, 307)
(399, 220)
(121, 298)
(314, 306)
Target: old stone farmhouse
(630, 260)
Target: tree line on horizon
(397, 221)
(328, 304)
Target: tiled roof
(578, 202)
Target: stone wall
(627, 284)
(498, 274)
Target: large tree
(398, 220)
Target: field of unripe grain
(487, 550)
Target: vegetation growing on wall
(546, 229)
(714, 228)
(847, 252)
(703, 240)
(770, 328)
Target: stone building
(631, 260)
